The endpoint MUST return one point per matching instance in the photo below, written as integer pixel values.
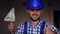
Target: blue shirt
(35, 29)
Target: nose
(34, 12)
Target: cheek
(11, 26)
(38, 13)
(30, 13)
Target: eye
(35, 9)
(32, 9)
(38, 10)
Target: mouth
(34, 15)
(34, 18)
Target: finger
(44, 31)
(48, 25)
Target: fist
(48, 30)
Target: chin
(34, 19)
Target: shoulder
(20, 25)
(44, 23)
(55, 29)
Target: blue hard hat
(34, 4)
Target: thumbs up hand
(48, 30)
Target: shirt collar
(38, 24)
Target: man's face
(34, 14)
(11, 26)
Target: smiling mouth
(34, 15)
(34, 19)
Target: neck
(11, 32)
(34, 23)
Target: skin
(11, 27)
(48, 30)
(34, 15)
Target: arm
(19, 29)
(55, 29)
(50, 29)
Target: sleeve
(19, 29)
(55, 29)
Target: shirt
(35, 29)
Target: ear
(27, 11)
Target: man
(35, 25)
(11, 26)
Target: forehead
(10, 23)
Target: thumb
(48, 25)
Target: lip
(34, 16)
